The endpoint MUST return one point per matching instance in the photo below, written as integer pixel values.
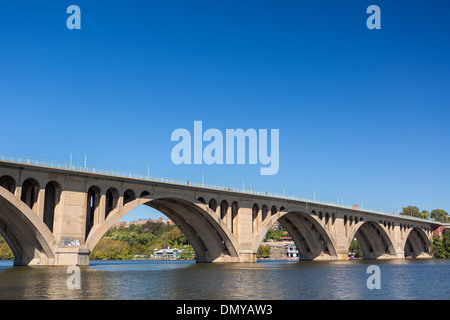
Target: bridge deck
(90, 170)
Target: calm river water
(130, 280)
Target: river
(274, 280)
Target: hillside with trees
(140, 240)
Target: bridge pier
(247, 256)
(72, 257)
(39, 259)
(62, 257)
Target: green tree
(111, 250)
(355, 248)
(139, 249)
(440, 246)
(5, 251)
(275, 235)
(424, 214)
(439, 215)
(263, 251)
(410, 211)
(188, 253)
(415, 212)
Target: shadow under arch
(8, 183)
(28, 237)
(312, 240)
(374, 241)
(417, 244)
(211, 239)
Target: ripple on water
(274, 280)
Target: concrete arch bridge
(53, 214)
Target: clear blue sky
(363, 114)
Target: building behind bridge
(167, 253)
(141, 222)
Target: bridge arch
(28, 237)
(313, 241)
(201, 199)
(112, 200)
(53, 192)
(417, 244)
(264, 213)
(30, 192)
(210, 237)
(94, 194)
(128, 196)
(372, 237)
(8, 183)
(234, 217)
(255, 214)
(213, 204)
(273, 210)
(223, 209)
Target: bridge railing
(127, 174)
